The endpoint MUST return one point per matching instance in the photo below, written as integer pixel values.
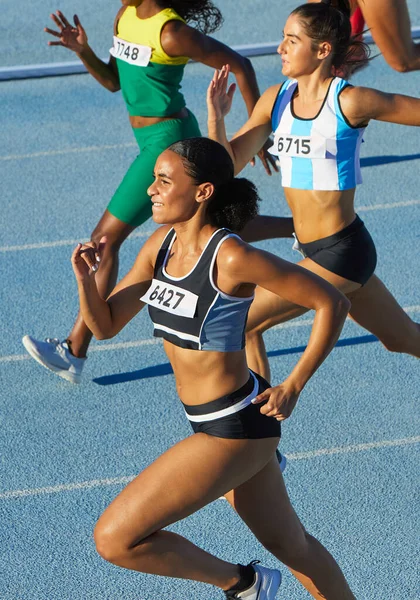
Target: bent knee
(288, 551)
(395, 345)
(253, 333)
(109, 545)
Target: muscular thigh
(131, 203)
(185, 478)
(268, 309)
(263, 504)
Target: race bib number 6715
(135, 54)
(299, 146)
(171, 298)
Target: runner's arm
(106, 318)
(361, 104)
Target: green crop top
(150, 79)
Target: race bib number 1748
(135, 54)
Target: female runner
(318, 123)
(152, 44)
(198, 279)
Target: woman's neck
(312, 88)
(192, 236)
(147, 9)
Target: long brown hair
(329, 21)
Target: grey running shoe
(264, 587)
(55, 356)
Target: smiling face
(297, 50)
(175, 196)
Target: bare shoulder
(157, 237)
(149, 251)
(233, 255)
(357, 103)
(269, 96)
(174, 35)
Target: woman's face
(174, 195)
(296, 50)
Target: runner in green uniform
(151, 46)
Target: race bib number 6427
(171, 298)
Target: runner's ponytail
(235, 201)
(202, 14)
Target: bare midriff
(203, 376)
(318, 214)
(138, 122)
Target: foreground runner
(198, 279)
(152, 44)
(319, 121)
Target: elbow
(113, 87)
(403, 63)
(243, 68)
(247, 66)
(400, 65)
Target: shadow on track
(166, 369)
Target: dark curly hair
(205, 16)
(329, 21)
(235, 200)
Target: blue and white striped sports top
(190, 311)
(320, 153)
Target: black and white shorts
(234, 416)
(350, 253)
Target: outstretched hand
(219, 97)
(72, 37)
(279, 401)
(268, 160)
(86, 258)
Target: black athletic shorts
(234, 416)
(349, 253)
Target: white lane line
(140, 234)
(387, 205)
(68, 151)
(57, 243)
(83, 485)
(138, 343)
(73, 150)
(93, 348)
(354, 448)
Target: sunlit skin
(177, 39)
(316, 214)
(131, 532)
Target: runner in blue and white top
(319, 121)
(322, 153)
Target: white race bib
(301, 146)
(130, 52)
(171, 298)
